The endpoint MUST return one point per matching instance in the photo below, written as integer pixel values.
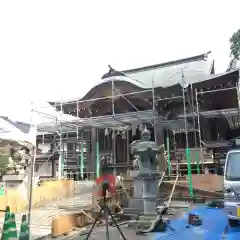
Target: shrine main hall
(183, 100)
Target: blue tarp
(214, 227)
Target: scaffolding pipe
(129, 94)
(82, 159)
(238, 100)
(198, 112)
(184, 86)
(184, 107)
(97, 159)
(216, 90)
(154, 112)
(77, 117)
(53, 118)
(199, 126)
(153, 100)
(169, 157)
(61, 155)
(128, 147)
(102, 98)
(132, 105)
(113, 133)
(171, 98)
(194, 132)
(193, 117)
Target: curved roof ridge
(203, 56)
(129, 79)
(163, 74)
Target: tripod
(106, 211)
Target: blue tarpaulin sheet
(214, 227)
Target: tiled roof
(167, 74)
(194, 69)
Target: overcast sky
(52, 48)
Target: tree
(14, 162)
(234, 51)
(19, 160)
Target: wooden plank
(65, 224)
(173, 189)
(208, 182)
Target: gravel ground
(41, 218)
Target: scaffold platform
(117, 120)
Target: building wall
(44, 147)
(44, 169)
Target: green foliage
(235, 50)
(4, 161)
(14, 162)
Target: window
(233, 167)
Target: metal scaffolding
(119, 120)
(116, 121)
(213, 113)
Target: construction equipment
(107, 184)
(194, 220)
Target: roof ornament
(206, 55)
(110, 68)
